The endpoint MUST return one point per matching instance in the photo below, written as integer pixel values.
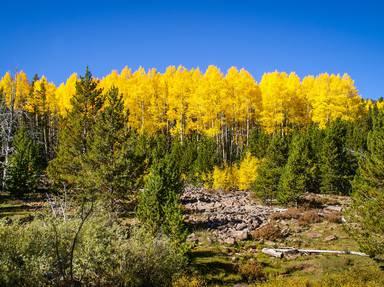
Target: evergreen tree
(368, 197)
(298, 174)
(258, 142)
(159, 206)
(23, 171)
(76, 131)
(207, 156)
(111, 165)
(271, 168)
(337, 164)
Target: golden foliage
(225, 178)
(247, 171)
(184, 101)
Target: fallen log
(281, 252)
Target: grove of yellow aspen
(184, 101)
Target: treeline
(225, 131)
(186, 103)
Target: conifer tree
(159, 204)
(271, 168)
(111, 165)
(337, 164)
(23, 170)
(76, 131)
(297, 176)
(368, 197)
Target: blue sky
(56, 38)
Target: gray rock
(240, 235)
(229, 240)
(330, 238)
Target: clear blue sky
(57, 38)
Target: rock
(330, 238)
(229, 240)
(333, 208)
(241, 226)
(223, 213)
(313, 235)
(240, 235)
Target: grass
(15, 208)
(243, 263)
(224, 266)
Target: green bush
(38, 254)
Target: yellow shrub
(225, 178)
(189, 281)
(247, 171)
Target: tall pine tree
(271, 168)
(76, 132)
(299, 173)
(159, 206)
(337, 163)
(111, 165)
(23, 170)
(366, 216)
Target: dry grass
(334, 217)
(251, 271)
(189, 281)
(309, 217)
(268, 231)
(290, 213)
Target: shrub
(189, 281)
(309, 217)
(38, 254)
(247, 171)
(251, 271)
(151, 261)
(225, 178)
(290, 213)
(268, 231)
(333, 217)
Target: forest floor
(316, 224)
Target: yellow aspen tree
(109, 81)
(332, 97)
(23, 89)
(158, 104)
(225, 178)
(243, 102)
(7, 86)
(209, 94)
(140, 92)
(180, 88)
(194, 112)
(64, 94)
(273, 97)
(37, 102)
(247, 172)
(284, 104)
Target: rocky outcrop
(228, 216)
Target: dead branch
(281, 252)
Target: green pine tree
(368, 197)
(269, 173)
(337, 163)
(76, 132)
(159, 206)
(298, 174)
(23, 170)
(111, 165)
